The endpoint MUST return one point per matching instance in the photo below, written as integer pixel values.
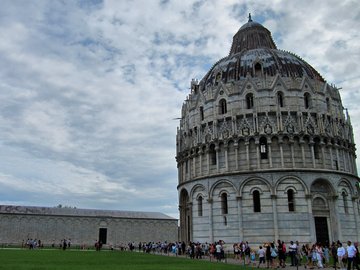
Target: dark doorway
(321, 228)
(102, 235)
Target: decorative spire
(250, 20)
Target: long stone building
(265, 150)
(83, 226)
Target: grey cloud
(90, 89)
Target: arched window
(201, 113)
(256, 201)
(224, 203)
(307, 100)
(212, 153)
(291, 203)
(200, 206)
(346, 207)
(249, 101)
(280, 99)
(263, 148)
(258, 70)
(222, 106)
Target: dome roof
(253, 48)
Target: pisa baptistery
(265, 150)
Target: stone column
(337, 156)
(301, 142)
(356, 215)
(331, 157)
(257, 147)
(270, 155)
(275, 217)
(211, 226)
(281, 153)
(322, 145)
(311, 143)
(335, 217)
(194, 166)
(226, 158)
(217, 158)
(348, 157)
(190, 213)
(344, 159)
(200, 161)
(236, 146)
(207, 160)
(247, 155)
(292, 153)
(310, 217)
(239, 205)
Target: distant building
(265, 150)
(83, 226)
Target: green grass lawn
(14, 259)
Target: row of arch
(256, 198)
(249, 101)
(352, 190)
(267, 153)
(262, 139)
(223, 199)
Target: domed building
(265, 150)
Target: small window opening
(290, 195)
(200, 206)
(225, 221)
(249, 101)
(263, 148)
(256, 201)
(346, 208)
(224, 203)
(307, 100)
(222, 106)
(212, 153)
(201, 113)
(280, 99)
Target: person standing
(334, 253)
(282, 251)
(357, 256)
(218, 248)
(351, 253)
(293, 251)
(274, 254)
(261, 254)
(340, 254)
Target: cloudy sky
(89, 89)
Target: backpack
(273, 252)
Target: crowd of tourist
(274, 255)
(268, 255)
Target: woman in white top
(340, 254)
